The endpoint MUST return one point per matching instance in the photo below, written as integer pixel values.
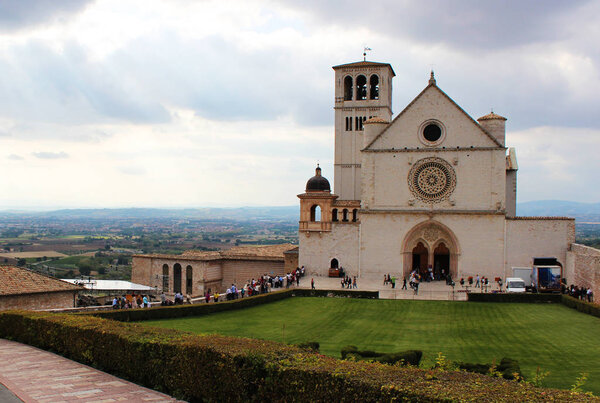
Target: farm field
(549, 336)
(32, 254)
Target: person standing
(404, 283)
(477, 285)
(312, 283)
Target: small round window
(432, 133)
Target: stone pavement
(435, 290)
(35, 375)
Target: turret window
(334, 214)
(315, 213)
(374, 84)
(348, 90)
(361, 87)
(345, 215)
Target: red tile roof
(15, 281)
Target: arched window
(354, 215)
(177, 278)
(165, 278)
(348, 88)
(188, 280)
(361, 87)
(334, 264)
(315, 213)
(374, 86)
(345, 215)
(334, 214)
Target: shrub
(507, 368)
(513, 297)
(410, 357)
(220, 368)
(310, 346)
(581, 306)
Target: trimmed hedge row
(507, 368)
(179, 311)
(513, 297)
(581, 306)
(303, 292)
(409, 357)
(220, 368)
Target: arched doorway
(177, 278)
(334, 264)
(188, 280)
(165, 278)
(420, 256)
(430, 244)
(441, 261)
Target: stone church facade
(430, 188)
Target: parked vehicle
(515, 284)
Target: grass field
(551, 336)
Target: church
(430, 189)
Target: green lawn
(551, 336)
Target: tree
(21, 262)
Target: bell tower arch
(362, 90)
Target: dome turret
(318, 183)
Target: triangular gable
(373, 143)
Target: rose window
(431, 179)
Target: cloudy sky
(224, 103)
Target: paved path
(435, 290)
(35, 375)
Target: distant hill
(578, 210)
(290, 213)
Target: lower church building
(431, 190)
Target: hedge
(513, 297)
(581, 306)
(303, 292)
(507, 368)
(179, 311)
(220, 368)
(409, 357)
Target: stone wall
(583, 268)
(238, 272)
(50, 300)
(529, 237)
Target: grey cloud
(18, 14)
(66, 87)
(15, 157)
(465, 23)
(47, 155)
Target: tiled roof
(15, 281)
(376, 120)
(269, 252)
(491, 116)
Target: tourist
(312, 283)
(385, 281)
(416, 286)
(354, 283)
(114, 303)
(477, 284)
(207, 296)
(216, 296)
(145, 302)
(138, 301)
(393, 280)
(163, 298)
(404, 283)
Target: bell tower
(363, 90)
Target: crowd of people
(347, 282)
(579, 292)
(130, 301)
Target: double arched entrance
(431, 248)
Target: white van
(515, 284)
